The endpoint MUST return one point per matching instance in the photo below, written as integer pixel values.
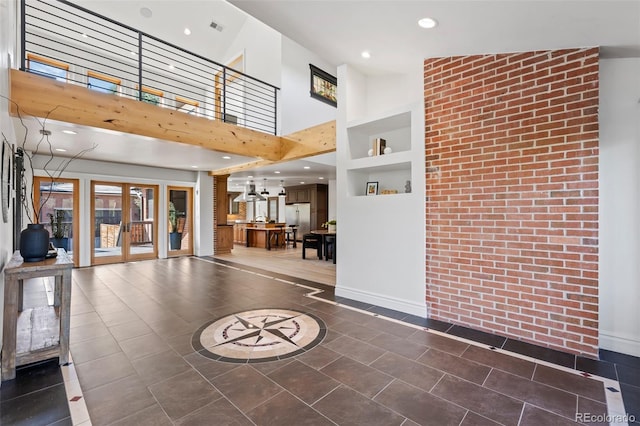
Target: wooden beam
(315, 140)
(41, 96)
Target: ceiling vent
(216, 26)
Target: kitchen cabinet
(240, 233)
(317, 196)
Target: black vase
(34, 242)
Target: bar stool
(312, 241)
(330, 247)
(277, 236)
(290, 234)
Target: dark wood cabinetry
(317, 195)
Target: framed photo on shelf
(324, 86)
(372, 188)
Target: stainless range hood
(249, 194)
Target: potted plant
(59, 230)
(175, 234)
(330, 225)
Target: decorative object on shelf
(59, 230)
(407, 187)
(388, 150)
(324, 86)
(372, 188)
(34, 242)
(388, 191)
(370, 152)
(379, 146)
(330, 225)
(25, 192)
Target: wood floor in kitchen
(287, 261)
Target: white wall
(381, 238)
(261, 46)
(620, 205)
(298, 109)
(7, 51)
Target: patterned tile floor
(131, 341)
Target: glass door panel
(124, 225)
(59, 210)
(141, 229)
(180, 240)
(106, 206)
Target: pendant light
(264, 188)
(282, 193)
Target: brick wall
(512, 195)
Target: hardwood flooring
(287, 261)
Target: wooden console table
(14, 273)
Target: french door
(124, 219)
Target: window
(47, 67)
(151, 96)
(186, 105)
(102, 83)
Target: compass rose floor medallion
(259, 336)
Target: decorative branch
(28, 203)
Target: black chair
(312, 241)
(330, 247)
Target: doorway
(179, 226)
(124, 219)
(59, 205)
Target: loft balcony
(80, 67)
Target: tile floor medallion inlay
(259, 335)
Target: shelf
(388, 162)
(395, 130)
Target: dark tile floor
(131, 333)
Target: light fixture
(194, 167)
(306, 167)
(187, 31)
(250, 177)
(321, 178)
(427, 23)
(61, 150)
(70, 132)
(301, 183)
(226, 157)
(146, 12)
(277, 172)
(264, 188)
(282, 193)
(365, 54)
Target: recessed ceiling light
(302, 183)
(320, 178)
(306, 167)
(61, 150)
(146, 12)
(427, 23)
(69, 132)
(226, 157)
(250, 177)
(194, 167)
(277, 172)
(366, 54)
(187, 31)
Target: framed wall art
(324, 86)
(372, 188)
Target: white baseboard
(410, 307)
(620, 344)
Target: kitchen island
(265, 235)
